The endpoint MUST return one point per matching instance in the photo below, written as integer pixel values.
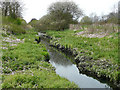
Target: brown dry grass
(99, 31)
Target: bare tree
(94, 17)
(119, 12)
(12, 8)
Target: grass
(98, 48)
(24, 66)
(36, 78)
(104, 51)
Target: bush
(18, 22)
(14, 26)
(16, 29)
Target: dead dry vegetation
(98, 31)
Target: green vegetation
(14, 26)
(59, 16)
(23, 60)
(95, 47)
(86, 20)
(104, 52)
(36, 78)
(24, 66)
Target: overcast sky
(38, 8)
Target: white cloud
(38, 8)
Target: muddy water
(65, 68)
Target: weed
(24, 66)
(104, 51)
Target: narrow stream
(65, 68)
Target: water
(65, 68)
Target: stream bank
(86, 64)
(24, 66)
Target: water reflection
(65, 68)
(73, 75)
(56, 56)
(59, 59)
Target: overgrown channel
(24, 66)
(64, 48)
(62, 58)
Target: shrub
(14, 26)
(18, 22)
(16, 29)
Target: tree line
(61, 14)
(11, 8)
(112, 17)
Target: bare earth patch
(98, 35)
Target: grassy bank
(24, 66)
(104, 52)
(103, 48)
